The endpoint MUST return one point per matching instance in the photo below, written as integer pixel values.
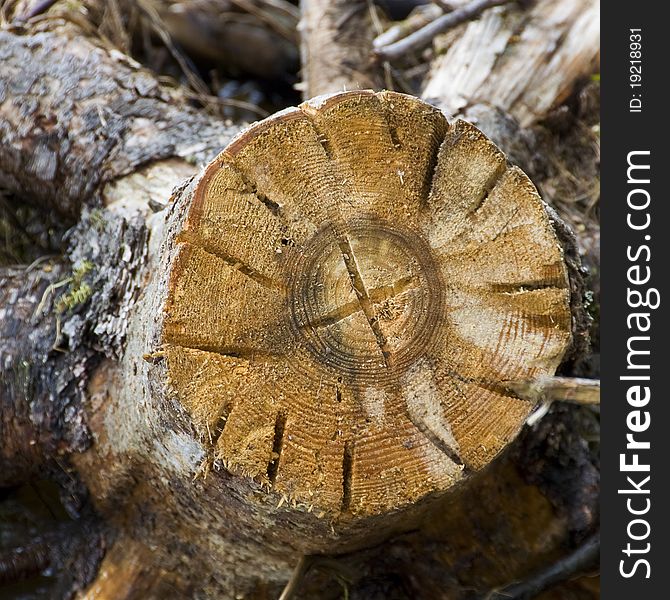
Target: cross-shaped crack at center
(364, 299)
(376, 295)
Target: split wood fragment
(524, 62)
(566, 389)
(420, 17)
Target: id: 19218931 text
(635, 70)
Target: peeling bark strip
(75, 116)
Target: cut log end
(355, 281)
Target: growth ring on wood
(356, 279)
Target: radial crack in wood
(355, 281)
(364, 299)
(380, 295)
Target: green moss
(97, 219)
(79, 290)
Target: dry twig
(582, 560)
(423, 37)
(296, 578)
(419, 18)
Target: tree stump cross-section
(356, 279)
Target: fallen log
(126, 389)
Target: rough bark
(59, 319)
(75, 117)
(33, 420)
(116, 140)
